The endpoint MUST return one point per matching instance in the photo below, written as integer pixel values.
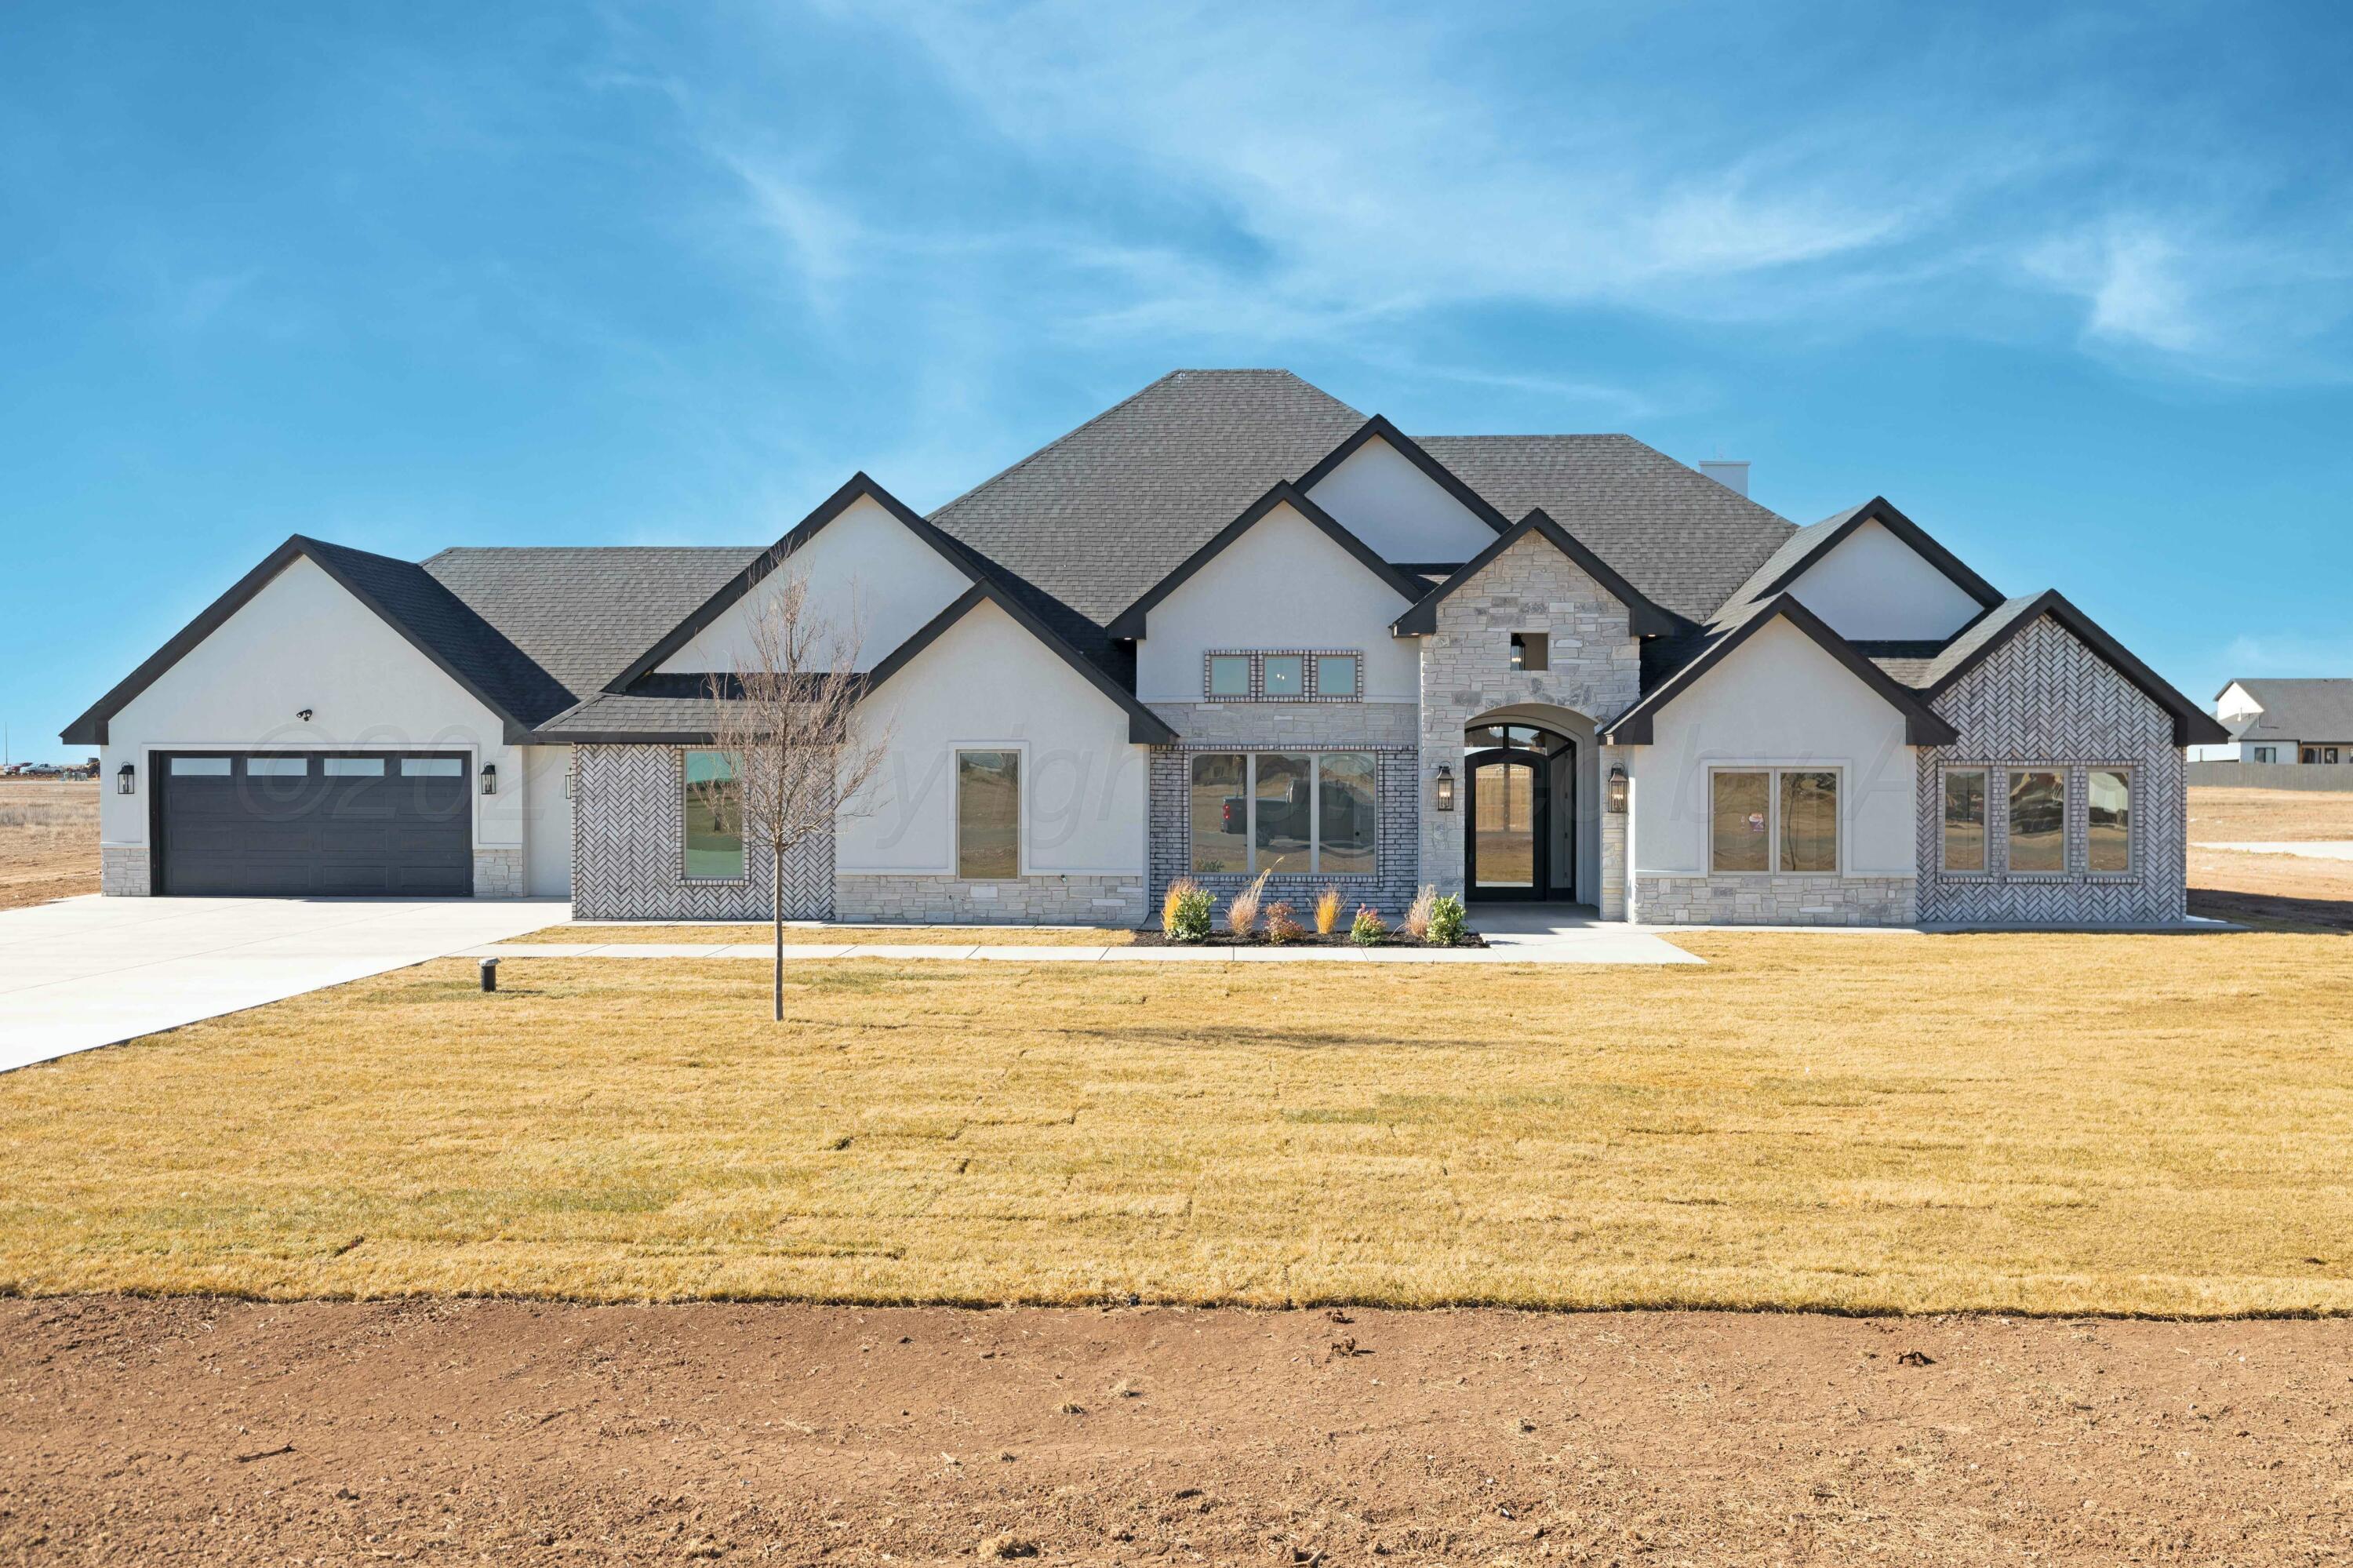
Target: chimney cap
(1732, 476)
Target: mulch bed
(1153, 937)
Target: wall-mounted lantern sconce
(490, 779)
(1445, 788)
(569, 775)
(1617, 789)
(126, 780)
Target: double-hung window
(1774, 819)
(1291, 813)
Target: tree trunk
(776, 908)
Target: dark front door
(1508, 846)
(245, 824)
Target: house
(1230, 626)
(2286, 722)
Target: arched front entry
(1520, 841)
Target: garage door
(241, 825)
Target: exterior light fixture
(126, 780)
(1445, 788)
(1617, 789)
(304, 714)
(490, 779)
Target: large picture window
(1965, 818)
(989, 815)
(2107, 798)
(1289, 813)
(1774, 818)
(713, 817)
(2038, 821)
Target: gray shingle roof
(2295, 710)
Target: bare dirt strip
(193, 1430)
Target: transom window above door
(1283, 675)
(1515, 736)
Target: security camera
(304, 716)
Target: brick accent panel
(123, 872)
(1466, 670)
(1396, 860)
(2045, 698)
(1295, 726)
(498, 872)
(628, 856)
(1775, 900)
(944, 900)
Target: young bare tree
(784, 716)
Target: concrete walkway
(2317, 848)
(90, 971)
(1515, 935)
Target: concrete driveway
(90, 971)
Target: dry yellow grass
(2269, 816)
(911, 936)
(2046, 1124)
(49, 839)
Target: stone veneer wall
(2045, 698)
(628, 857)
(123, 872)
(1052, 900)
(498, 872)
(1596, 669)
(1771, 900)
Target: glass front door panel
(1503, 811)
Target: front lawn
(2053, 1124)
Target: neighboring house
(1230, 625)
(2286, 721)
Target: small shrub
(1416, 923)
(1282, 925)
(1241, 912)
(1185, 913)
(1450, 923)
(1327, 911)
(1367, 929)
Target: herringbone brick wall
(628, 854)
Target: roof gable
(859, 487)
(1922, 725)
(1808, 546)
(1643, 619)
(1351, 487)
(2192, 726)
(403, 596)
(1143, 727)
(1130, 623)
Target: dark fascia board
(1129, 624)
(1377, 427)
(1880, 510)
(89, 729)
(860, 486)
(1922, 726)
(1144, 727)
(2192, 726)
(1643, 618)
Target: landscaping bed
(1152, 936)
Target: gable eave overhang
(1881, 510)
(1130, 624)
(1446, 478)
(2192, 726)
(1922, 724)
(859, 487)
(1144, 727)
(1643, 619)
(90, 728)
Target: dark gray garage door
(241, 825)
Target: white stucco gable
(875, 582)
(1872, 586)
(1385, 499)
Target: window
(2267, 754)
(1229, 675)
(354, 767)
(2312, 754)
(1335, 674)
(1290, 815)
(1306, 675)
(2037, 822)
(1529, 651)
(277, 768)
(989, 815)
(714, 807)
(1738, 822)
(432, 766)
(1286, 675)
(2107, 800)
(2329, 755)
(1753, 813)
(1810, 822)
(1965, 818)
(200, 768)
(1221, 810)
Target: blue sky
(2073, 286)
